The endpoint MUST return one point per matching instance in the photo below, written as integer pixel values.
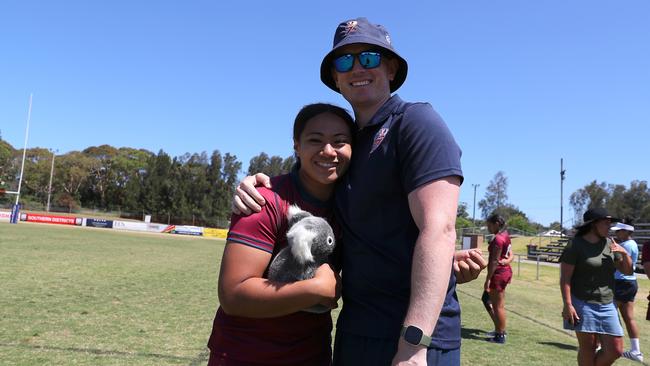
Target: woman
(498, 276)
(259, 322)
(626, 287)
(587, 268)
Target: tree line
(194, 189)
(631, 202)
(197, 188)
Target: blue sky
(521, 84)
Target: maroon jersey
(501, 240)
(296, 339)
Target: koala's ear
(300, 239)
(296, 214)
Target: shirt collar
(386, 110)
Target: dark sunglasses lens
(344, 63)
(369, 60)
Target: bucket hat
(595, 214)
(360, 30)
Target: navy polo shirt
(404, 146)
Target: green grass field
(78, 296)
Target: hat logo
(350, 27)
(388, 38)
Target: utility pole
(49, 190)
(562, 171)
(474, 205)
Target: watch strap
(424, 340)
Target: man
(397, 207)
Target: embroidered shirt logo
(379, 137)
(350, 27)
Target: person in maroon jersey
(498, 276)
(260, 322)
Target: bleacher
(548, 253)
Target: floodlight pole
(562, 171)
(49, 190)
(474, 204)
(22, 165)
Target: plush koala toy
(310, 240)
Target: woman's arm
(243, 291)
(568, 312)
(508, 258)
(493, 262)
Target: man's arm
(433, 207)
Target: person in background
(260, 322)
(498, 276)
(626, 288)
(397, 208)
(587, 267)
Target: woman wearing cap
(626, 288)
(587, 268)
(498, 276)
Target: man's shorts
(501, 278)
(625, 290)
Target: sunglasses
(367, 60)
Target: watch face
(413, 335)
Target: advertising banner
(5, 216)
(51, 219)
(188, 230)
(139, 226)
(215, 233)
(108, 224)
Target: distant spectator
(626, 288)
(587, 268)
(498, 276)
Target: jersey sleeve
(427, 149)
(569, 255)
(259, 230)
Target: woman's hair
(584, 229)
(497, 219)
(312, 110)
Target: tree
(592, 195)
(271, 166)
(521, 222)
(462, 210)
(496, 195)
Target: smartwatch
(415, 336)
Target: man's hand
(247, 199)
(409, 355)
(468, 264)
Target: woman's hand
(569, 314)
(617, 248)
(328, 285)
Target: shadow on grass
(200, 358)
(470, 333)
(560, 345)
